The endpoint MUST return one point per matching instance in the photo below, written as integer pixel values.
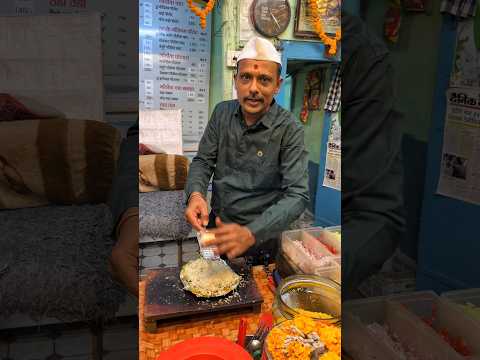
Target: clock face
(270, 17)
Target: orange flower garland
(331, 43)
(201, 13)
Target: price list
(174, 64)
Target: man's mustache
(252, 98)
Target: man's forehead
(261, 65)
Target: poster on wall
(333, 162)
(460, 163)
(174, 65)
(329, 12)
(466, 66)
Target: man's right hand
(196, 212)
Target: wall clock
(270, 17)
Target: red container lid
(205, 348)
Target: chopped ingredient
(313, 314)
(296, 339)
(456, 342)
(389, 338)
(313, 253)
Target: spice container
(310, 295)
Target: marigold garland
(201, 13)
(331, 43)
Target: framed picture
(330, 14)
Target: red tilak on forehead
(255, 66)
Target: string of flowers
(330, 42)
(201, 13)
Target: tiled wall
(120, 342)
(166, 254)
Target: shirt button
(259, 153)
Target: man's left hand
(231, 239)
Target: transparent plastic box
(335, 229)
(400, 313)
(332, 245)
(466, 300)
(357, 340)
(302, 249)
(446, 316)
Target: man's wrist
(196, 194)
(130, 213)
(251, 234)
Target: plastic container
(443, 315)
(307, 292)
(401, 314)
(328, 236)
(335, 229)
(302, 252)
(358, 342)
(466, 301)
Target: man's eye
(245, 77)
(265, 79)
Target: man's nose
(253, 87)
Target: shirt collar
(266, 120)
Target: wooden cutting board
(166, 299)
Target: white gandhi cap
(258, 48)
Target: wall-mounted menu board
(174, 64)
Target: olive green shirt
(260, 174)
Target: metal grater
(206, 251)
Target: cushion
(56, 161)
(162, 215)
(162, 172)
(23, 108)
(57, 263)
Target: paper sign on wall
(161, 130)
(333, 162)
(460, 163)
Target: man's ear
(279, 84)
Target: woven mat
(224, 325)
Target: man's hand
(123, 260)
(231, 239)
(196, 212)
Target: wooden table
(225, 325)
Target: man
(255, 151)
(372, 194)
(124, 206)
